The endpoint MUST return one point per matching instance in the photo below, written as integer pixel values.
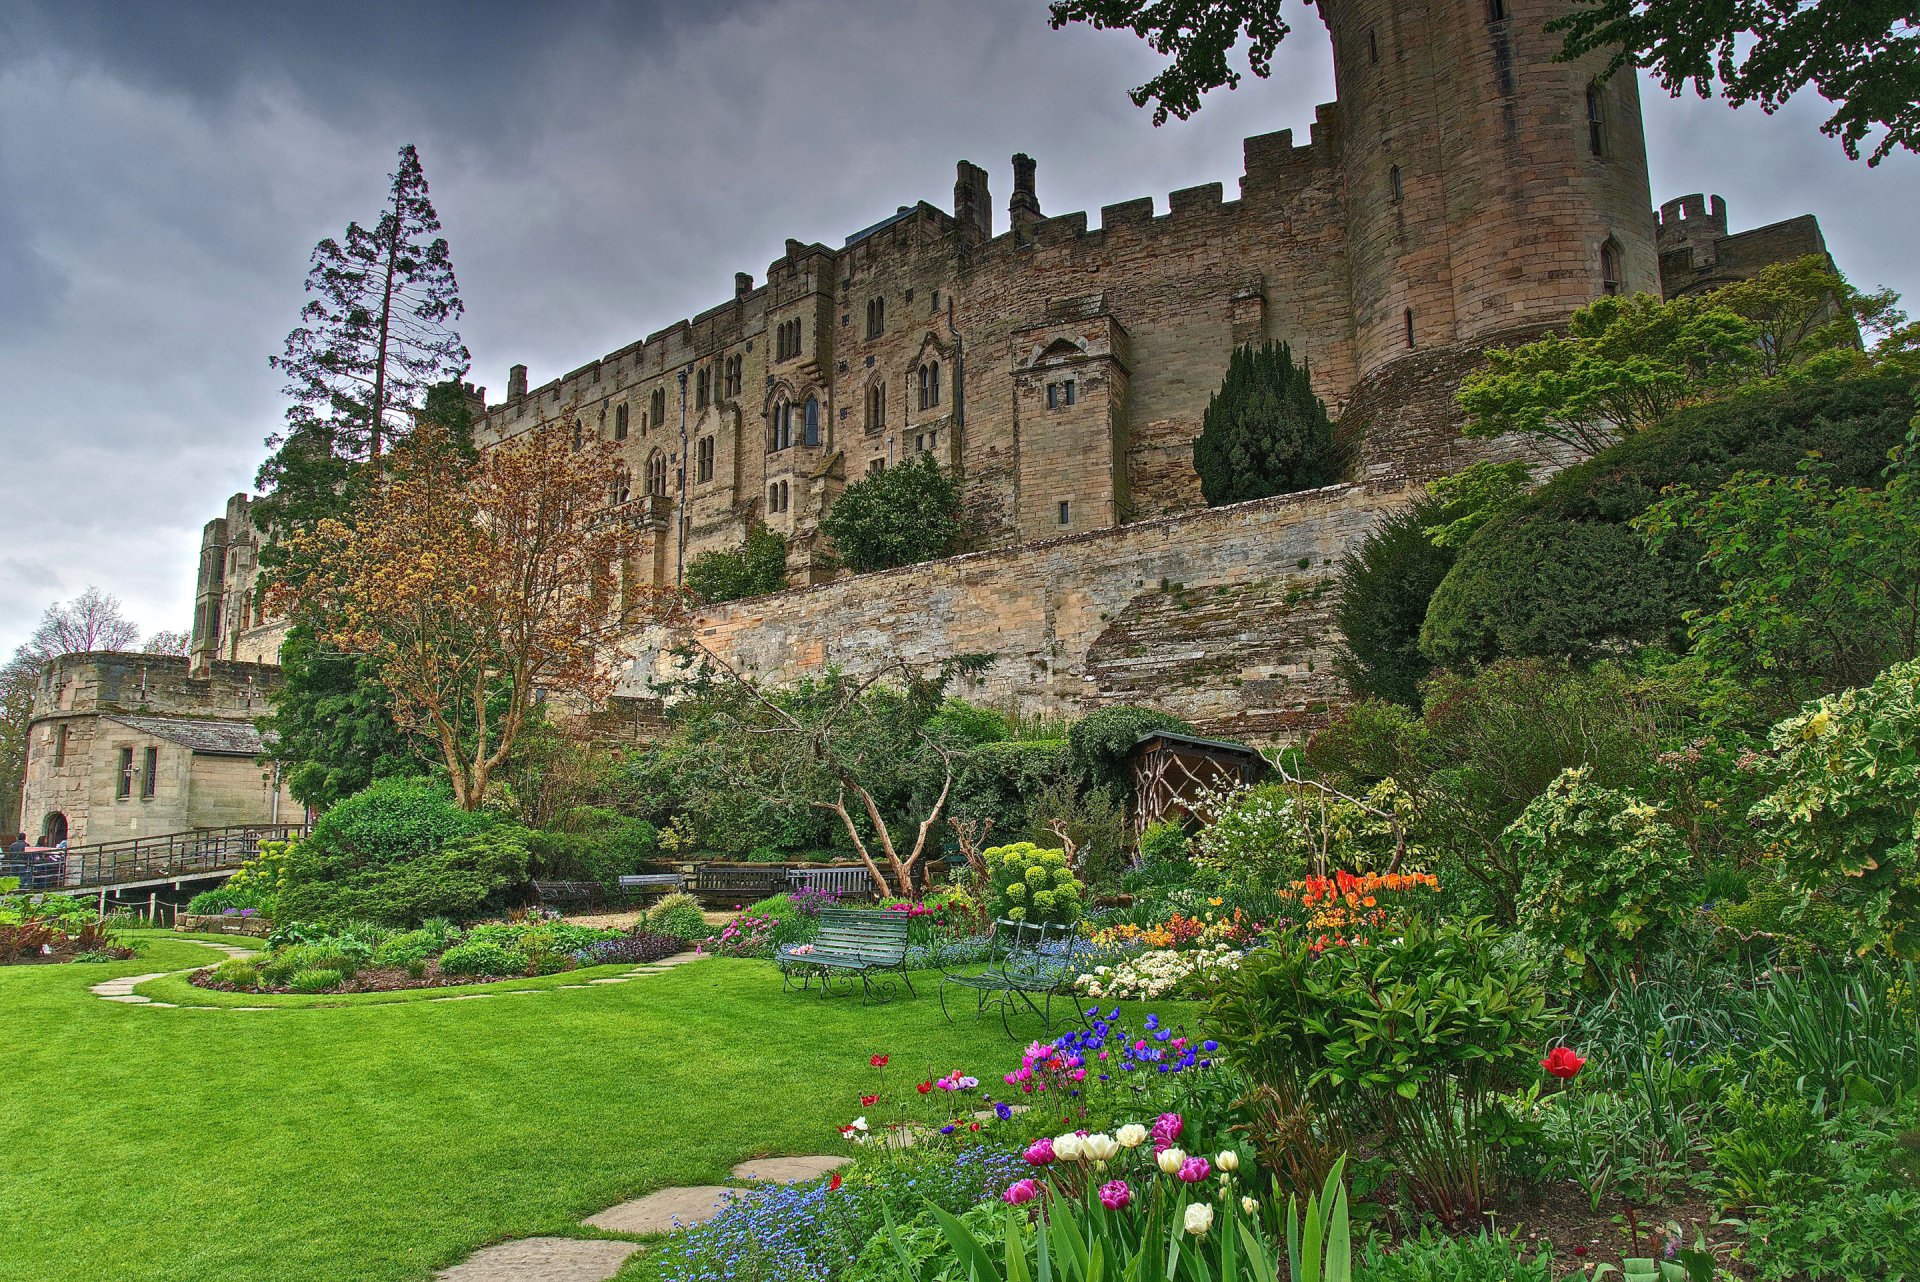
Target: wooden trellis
(1172, 771)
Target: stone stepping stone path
(788, 1170)
(121, 990)
(543, 1259)
(561, 1259)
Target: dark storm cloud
(602, 170)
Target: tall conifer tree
(1265, 432)
(375, 335)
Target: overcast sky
(601, 169)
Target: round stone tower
(1490, 190)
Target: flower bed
(54, 928)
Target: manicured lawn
(384, 1139)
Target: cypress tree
(1265, 432)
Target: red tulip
(1562, 1063)
(868, 1101)
(835, 1182)
(924, 1087)
(878, 1061)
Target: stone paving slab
(657, 1212)
(543, 1259)
(617, 979)
(788, 1170)
(680, 959)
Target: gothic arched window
(780, 427)
(657, 474)
(1611, 281)
(810, 423)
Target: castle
(1465, 190)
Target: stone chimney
(972, 203)
(516, 382)
(742, 284)
(1024, 207)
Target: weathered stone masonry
(1221, 615)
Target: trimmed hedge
(1564, 575)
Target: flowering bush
(1032, 884)
(1162, 973)
(745, 936)
(633, 949)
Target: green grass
(387, 1136)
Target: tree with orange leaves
(479, 586)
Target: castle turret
(209, 591)
(1490, 189)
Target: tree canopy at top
(1862, 56)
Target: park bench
(847, 883)
(1026, 961)
(739, 883)
(640, 885)
(560, 894)
(852, 941)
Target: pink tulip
(1115, 1194)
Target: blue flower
(1002, 1112)
(1153, 1022)
(1209, 1046)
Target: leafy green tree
(375, 336)
(1804, 309)
(758, 566)
(1385, 584)
(1622, 366)
(1264, 432)
(1562, 571)
(17, 681)
(900, 516)
(1857, 54)
(1819, 585)
(1844, 813)
(331, 728)
(1099, 742)
(1468, 499)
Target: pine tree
(1265, 432)
(376, 334)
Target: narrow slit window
(1373, 45)
(150, 772)
(1066, 511)
(1596, 119)
(1394, 184)
(703, 459)
(1409, 327)
(620, 423)
(124, 788)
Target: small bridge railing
(144, 859)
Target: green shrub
(1844, 810)
(1423, 1031)
(1163, 843)
(414, 946)
(900, 516)
(480, 957)
(995, 781)
(1099, 742)
(1264, 432)
(1385, 585)
(239, 973)
(593, 844)
(1032, 884)
(1603, 874)
(728, 574)
(1434, 1257)
(678, 915)
(280, 965)
(398, 853)
(316, 981)
(1563, 573)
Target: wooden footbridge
(140, 863)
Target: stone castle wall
(1223, 616)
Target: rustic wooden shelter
(1171, 771)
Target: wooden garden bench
(740, 883)
(852, 941)
(649, 883)
(556, 894)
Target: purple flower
(1003, 1112)
(1115, 1194)
(1166, 1129)
(1040, 1152)
(1195, 1169)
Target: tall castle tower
(1490, 190)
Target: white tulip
(1132, 1135)
(1248, 1205)
(1099, 1146)
(1069, 1148)
(1228, 1160)
(1169, 1160)
(1199, 1218)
